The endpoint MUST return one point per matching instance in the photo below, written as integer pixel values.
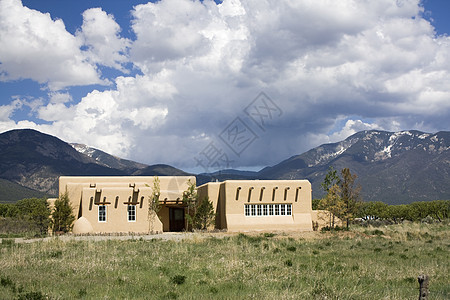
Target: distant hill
(31, 163)
(35, 160)
(12, 192)
(128, 166)
(160, 170)
(228, 174)
(393, 167)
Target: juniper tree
(204, 215)
(62, 214)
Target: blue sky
(232, 84)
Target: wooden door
(176, 219)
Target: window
(270, 209)
(277, 209)
(247, 210)
(131, 213)
(267, 210)
(102, 213)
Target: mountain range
(393, 167)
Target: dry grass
(365, 263)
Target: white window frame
(131, 213)
(102, 214)
(267, 210)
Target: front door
(176, 219)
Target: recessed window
(131, 213)
(285, 193)
(296, 193)
(102, 213)
(237, 193)
(258, 210)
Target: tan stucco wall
(84, 192)
(230, 205)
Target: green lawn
(366, 263)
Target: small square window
(131, 213)
(102, 213)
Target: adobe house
(260, 204)
(121, 204)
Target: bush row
(438, 210)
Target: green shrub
(269, 234)
(291, 248)
(204, 215)
(62, 215)
(32, 296)
(35, 210)
(178, 279)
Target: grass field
(365, 263)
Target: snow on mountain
(108, 160)
(86, 150)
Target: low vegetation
(27, 217)
(429, 211)
(362, 263)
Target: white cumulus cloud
(33, 45)
(328, 65)
(101, 34)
